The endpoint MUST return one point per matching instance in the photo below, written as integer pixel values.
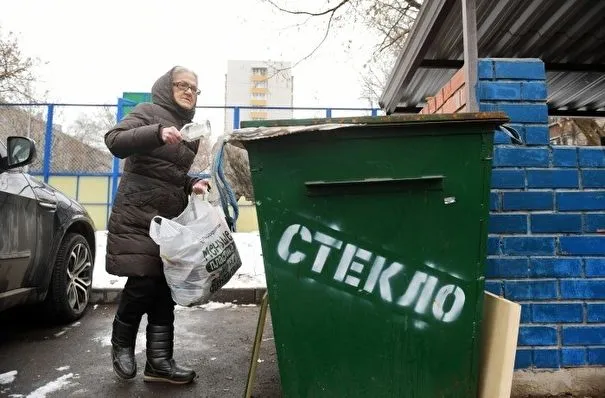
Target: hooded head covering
(161, 94)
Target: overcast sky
(96, 50)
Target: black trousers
(146, 295)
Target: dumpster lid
(262, 129)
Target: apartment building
(258, 84)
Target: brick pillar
(518, 88)
(546, 245)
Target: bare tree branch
(313, 14)
(320, 43)
(390, 19)
(309, 55)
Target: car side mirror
(20, 151)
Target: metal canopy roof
(568, 35)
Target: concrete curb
(238, 296)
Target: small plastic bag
(198, 251)
(195, 131)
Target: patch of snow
(213, 359)
(8, 377)
(61, 333)
(105, 340)
(94, 307)
(62, 368)
(51, 387)
(250, 275)
(212, 306)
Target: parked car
(47, 240)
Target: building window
(259, 96)
(261, 84)
(259, 71)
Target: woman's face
(184, 89)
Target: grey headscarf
(161, 94)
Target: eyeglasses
(184, 86)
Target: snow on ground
(8, 377)
(212, 306)
(250, 275)
(53, 386)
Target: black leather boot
(160, 365)
(123, 339)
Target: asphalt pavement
(39, 359)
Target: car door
(18, 234)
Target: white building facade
(258, 84)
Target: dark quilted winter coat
(154, 181)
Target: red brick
(447, 91)
(456, 99)
(462, 93)
(450, 106)
(457, 80)
(439, 100)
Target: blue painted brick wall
(573, 357)
(581, 200)
(594, 222)
(537, 335)
(535, 134)
(547, 358)
(557, 313)
(508, 179)
(524, 200)
(595, 267)
(576, 335)
(596, 356)
(591, 157)
(557, 267)
(595, 313)
(508, 223)
(507, 267)
(593, 178)
(529, 246)
(519, 69)
(555, 223)
(546, 244)
(553, 178)
(511, 156)
(565, 157)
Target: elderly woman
(154, 182)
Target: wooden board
(501, 319)
(260, 328)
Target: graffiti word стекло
(352, 269)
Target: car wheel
(71, 282)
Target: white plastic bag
(197, 250)
(195, 131)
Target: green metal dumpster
(373, 232)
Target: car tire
(71, 282)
